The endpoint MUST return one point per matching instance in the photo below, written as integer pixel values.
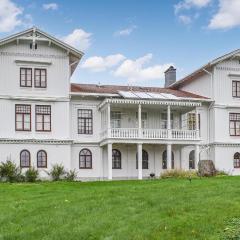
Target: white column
(139, 120)
(169, 121)
(109, 150)
(197, 155)
(109, 120)
(197, 122)
(139, 151)
(169, 156)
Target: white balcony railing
(154, 133)
(124, 133)
(184, 134)
(135, 133)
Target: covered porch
(139, 160)
(148, 119)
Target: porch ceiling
(150, 103)
(151, 108)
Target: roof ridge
(115, 85)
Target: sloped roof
(53, 39)
(35, 34)
(201, 71)
(114, 89)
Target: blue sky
(132, 41)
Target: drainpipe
(211, 104)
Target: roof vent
(170, 76)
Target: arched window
(192, 160)
(236, 160)
(25, 159)
(144, 160)
(116, 159)
(164, 160)
(41, 159)
(85, 159)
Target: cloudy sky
(132, 41)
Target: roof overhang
(204, 69)
(186, 103)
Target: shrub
(221, 173)
(57, 172)
(31, 174)
(178, 173)
(232, 230)
(10, 172)
(71, 175)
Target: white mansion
(113, 132)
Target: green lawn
(154, 209)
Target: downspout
(211, 104)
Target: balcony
(135, 133)
(149, 121)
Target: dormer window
(40, 78)
(25, 77)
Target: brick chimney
(170, 76)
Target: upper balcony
(135, 133)
(125, 120)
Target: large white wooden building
(113, 132)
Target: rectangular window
(234, 124)
(43, 118)
(22, 117)
(164, 120)
(143, 118)
(85, 121)
(25, 77)
(192, 121)
(40, 78)
(115, 119)
(236, 88)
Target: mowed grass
(153, 209)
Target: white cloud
(9, 16)
(228, 15)
(50, 6)
(125, 31)
(79, 39)
(187, 4)
(185, 19)
(98, 64)
(134, 70)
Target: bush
(178, 173)
(31, 174)
(57, 172)
(221, 173)
(71, 175)
(10, 172)
(232, 230)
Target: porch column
(197, 155)
(109, 120)
(109, 152)
(169, 121)
(139, 120)
(169, 156)
(139, 151)
(197, 123)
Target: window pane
(85, 121)
(25, 77)
(47, 126)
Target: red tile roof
(114, 89)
